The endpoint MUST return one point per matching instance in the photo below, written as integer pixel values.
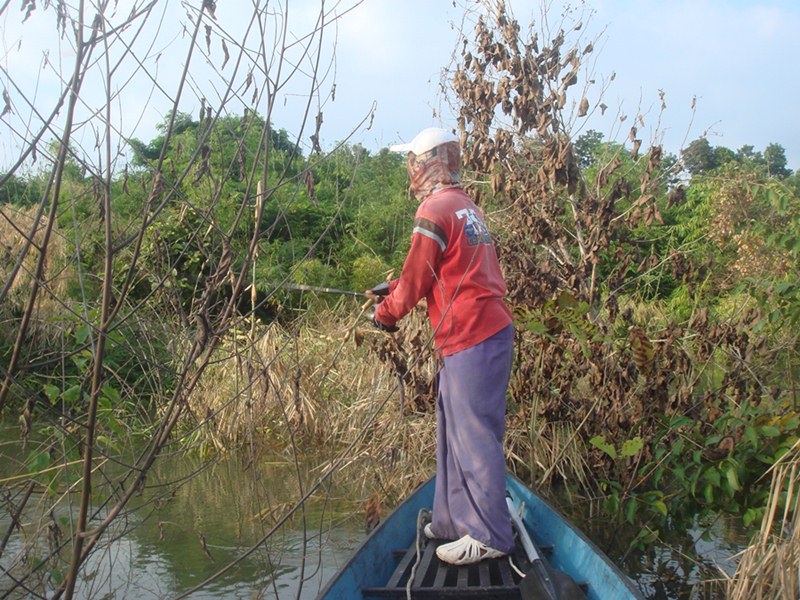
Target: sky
(733, 60)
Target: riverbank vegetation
(656, 300)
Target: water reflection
(194, 518)
(226, 509)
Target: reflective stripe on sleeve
(430, 229)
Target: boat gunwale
(567, 523)
(374, 534)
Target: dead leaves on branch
(513, 95)
(530, 162)
(410, 357)
(561, 230)
(641, 349)
(573, 371)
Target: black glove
(381, 290)
(384, 326)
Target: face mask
(436, 169)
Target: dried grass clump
(15, 228)
(320, 383)
(332, 388)
(337, 384)
(770, 567)
(542, 450)
(260, 390)
(14, 232)
(396, 452)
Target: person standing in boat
(452, 263)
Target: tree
(775, 157)
(586, 147)
(145, 153)
(699, 157)
(723, 155)
(747, 153)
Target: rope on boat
(515, 567)
(423, 516)
(518, 533)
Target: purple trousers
(470, 465)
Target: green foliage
(587, 148)
(628, 449)
(146, 153)
(702, 467)
(314, 272)
(775, 159)
(632, 506)
(378, 214)
(778, 291)
(21, 191)
(368, 271)
(700, 157)
(564, 312)
(740, 222)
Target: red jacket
(452, 263)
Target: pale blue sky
(737, 58)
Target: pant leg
(442, 522)
(470, 484)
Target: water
(197, 516)
(215, 518)
(679, 559)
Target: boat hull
(395, 553)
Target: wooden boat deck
(434, 579)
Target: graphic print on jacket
(475, 229)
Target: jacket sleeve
(415, 281)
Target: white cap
(426, 140)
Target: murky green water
(195, 518)
(677, 562)
(198, 516)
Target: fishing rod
(379, 290)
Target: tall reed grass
(20, 237)
(316, 384)
(326, 383)
(770, 567)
